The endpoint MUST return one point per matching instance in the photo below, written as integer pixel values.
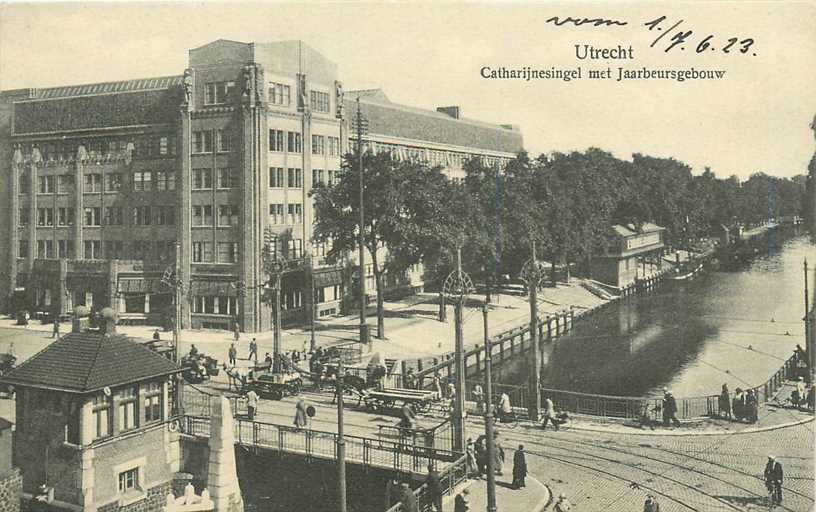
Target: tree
(400, 202)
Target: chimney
(107, 321)
(79, 322)
(452, 111)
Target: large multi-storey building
(106, 184)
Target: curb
(543, 503)
(679, 433)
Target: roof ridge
(99, 343)
(107, 82)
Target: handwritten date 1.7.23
(675, 35)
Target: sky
(431, 54)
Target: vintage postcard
(411, 256)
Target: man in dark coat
(669, 409)
(773, 480)
(434, 489)
(481, 454)
(519, 467)
(409, 501)
(461, 502)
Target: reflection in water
(724, 327)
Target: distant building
(92, 423)
(627, 248)
(103, 180)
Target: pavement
(533, 497)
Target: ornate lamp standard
(532, 273)
(457, 286)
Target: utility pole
(177, 303)
(457, 286)
(491, 476)
(809, 349)
(313, 309)
(532, 274)
(360, 122)
(341, 441)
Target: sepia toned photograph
(407, 257)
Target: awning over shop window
(328, 278)
(143, 286)
(213, 288)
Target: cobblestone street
(614, 472)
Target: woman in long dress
(471, 465)
(301, 417)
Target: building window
(113, 216)
(292, 300)
(202, 252)
(276, 214)
(334, 146)
(202, 179)
(65, 216)
(165, 180)
(24, 216)
(218, 92)
(141, 216)
(318, 144)
(296, 248)
(45, 216)
(65, 183)
(280, 94)
(227, 215)
(317, 177)
(46, 184)
(129, 480)
(93, 183)
(165, 215)
(142, 180)
(153, 402)
(223, 141)
(332, 177)
(101, 416)
(202, 142)
(227, 252)
(295, 212)
(294, 142)
(127, 410)
(275, 140)
(114, 249)
(93, 250)
(22, 248)
(113, 182)
(276, 177)
(226, 305)
(320, 101)
(45, 249)
(202, 215)
(225, 178)
(294, 177)
(93, 216)
(25, 183)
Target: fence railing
(450, 477)
(607, 406)
(396, 455)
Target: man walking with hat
(773, 480)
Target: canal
(734, 327)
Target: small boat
(687, 275)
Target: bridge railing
(450, 477)
(397, 455)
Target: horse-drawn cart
(275, 386)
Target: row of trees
(563, 203)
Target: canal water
(734, 327)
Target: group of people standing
(744, 404)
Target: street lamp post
(491, 476)
(532, 273)
(341, 441)
(457, 286)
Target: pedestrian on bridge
(301, 416)
(669, 409)
(725, 402)
(773, 480)
(233, 354)
(253, 351)
(408, 499)
(434, 489)
(471, 464)
(252, 404)
(478, 397)
(549, 414)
